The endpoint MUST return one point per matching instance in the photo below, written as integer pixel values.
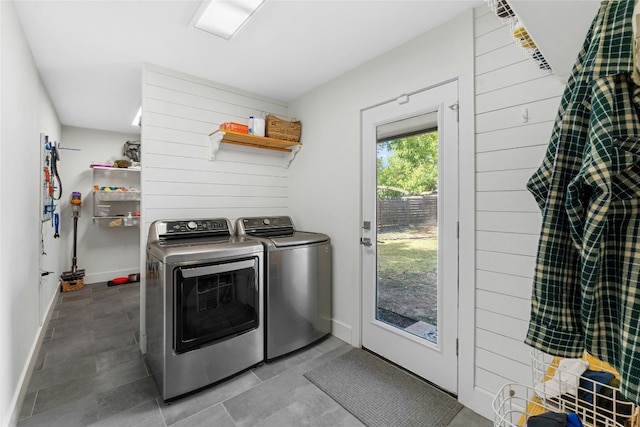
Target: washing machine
(297, 284)
(204, 303)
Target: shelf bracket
(215, 138)
(288, 157)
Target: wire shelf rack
(519, 33)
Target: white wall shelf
(288, 148)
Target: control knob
(192, 225)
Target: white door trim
(437, 362)
(467, 393)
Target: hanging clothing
(586, 290)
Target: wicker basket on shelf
(278, 128)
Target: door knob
(365, 241)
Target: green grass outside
(407, 276)
(417, 255)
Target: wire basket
(586, 386)
(516, 403)
(502, 10)
(527, 45)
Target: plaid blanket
(586, 290)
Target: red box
(235, 127)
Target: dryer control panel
(265, 226)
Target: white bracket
(214, 145)
(288, 157)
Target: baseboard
(483, 403)
(108, 275)
(23, 384)
(342, 331)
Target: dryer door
(215, 301)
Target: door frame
(477, 400)
(434, 361)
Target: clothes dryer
(297, 283)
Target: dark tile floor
(90, 371)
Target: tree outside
(408, 164)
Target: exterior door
(409, 233)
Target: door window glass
(407, 232)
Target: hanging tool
(55, 156)
(56, 220)
(74, 274)
(47, 180)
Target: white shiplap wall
(508, 151)
(178, 179)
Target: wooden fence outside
(407, 211)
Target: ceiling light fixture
(224, 18)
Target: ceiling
(90, 52)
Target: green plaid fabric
(586, 291)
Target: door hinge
(456, 107)
(458, 230)
(457, 345)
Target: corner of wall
(342, 331)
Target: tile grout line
(44, 360)
(33, 405)
(228, 413)
(260, 381)
(164, 420)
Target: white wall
(26, 111)
(325, 176)
(508, 151)
(178, 179)
(104, 253)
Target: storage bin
(103, 210)
(595, 399)
(72, 285)
(234, 127)
(515, 403)
(116, 222)
(117, 196)
(284, 130)
(596, 403)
